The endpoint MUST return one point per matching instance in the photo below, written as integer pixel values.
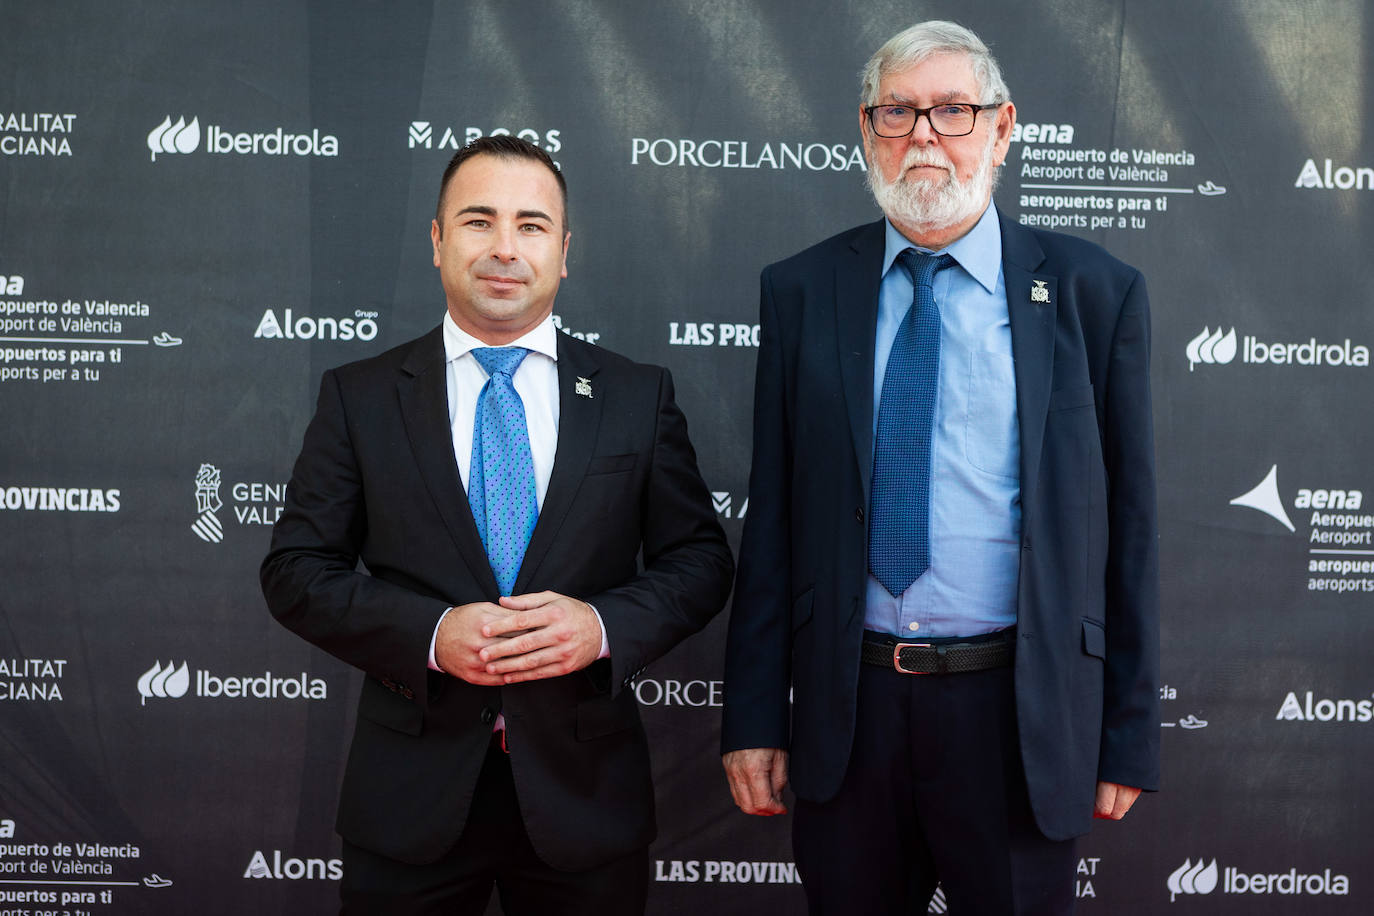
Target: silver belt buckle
(897, 655)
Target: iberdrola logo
(1192, 879)
(1212, 347)
(174, 138)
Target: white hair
(925, 39)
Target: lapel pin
(1039, 292)
(583, 387)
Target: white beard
(933, 204)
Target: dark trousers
(935, 793)
(494, 851)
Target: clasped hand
(521, 638)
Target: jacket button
(859, 514)
(488, 715)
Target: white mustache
(917, 157)
(929, 200)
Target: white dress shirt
(536, 381)
(975, 493)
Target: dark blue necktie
(501, 480)
(899, 518)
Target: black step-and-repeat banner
(205, 205)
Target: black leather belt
(940, 656)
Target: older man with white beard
(949, 566)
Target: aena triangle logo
(1265, 497)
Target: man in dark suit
(950, 556)
(498, 741)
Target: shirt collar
(543, 338)
(978, 251)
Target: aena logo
(1192, 879)
(158, 681)
(174, 138)
(1212, 347)
(1265, 497)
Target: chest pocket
(990, 434)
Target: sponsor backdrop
(203, 206)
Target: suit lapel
(1032, 305)
(857, 279)
(579, 417)
(423, 395)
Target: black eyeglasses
(952, 119)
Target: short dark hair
(504, 146)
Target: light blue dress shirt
(975, 498)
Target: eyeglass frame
(925, 112)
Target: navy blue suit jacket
(1087, 653)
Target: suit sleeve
(687, 566)
(310, 576)
(758, 650)
(1129, 753)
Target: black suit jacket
(627, 524)
(1087, 598)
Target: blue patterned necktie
(501, 480)
(899, 518)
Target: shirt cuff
(605, 643)
(433, 638)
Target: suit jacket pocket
(604, 715)
(611, 464)
(377, 704)
(1094, 639)
(1069, 398)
